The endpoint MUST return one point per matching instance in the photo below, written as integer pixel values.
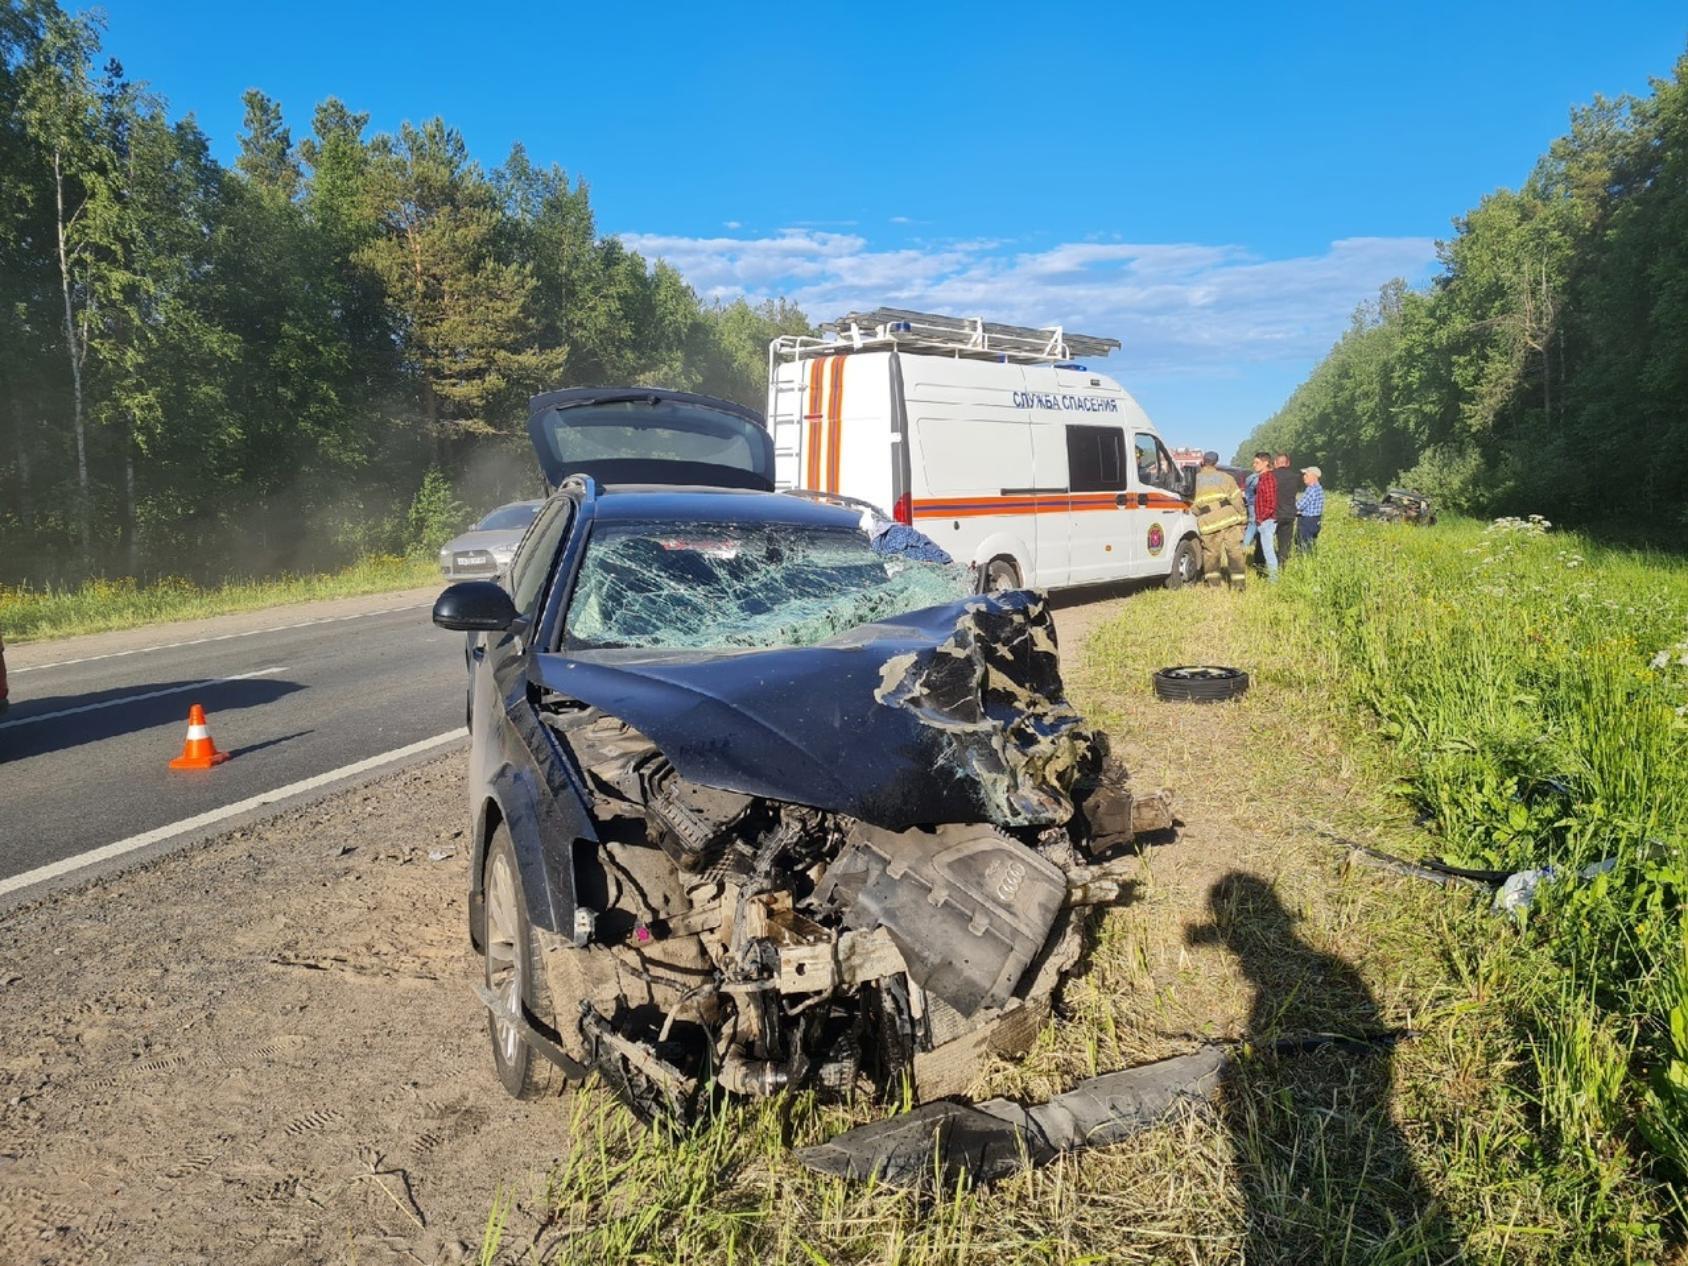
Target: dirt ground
(260, 1050)
(265, 1049)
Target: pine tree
(464, 314)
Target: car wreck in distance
(1398, 505)
(763, 796)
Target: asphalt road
(84, 749)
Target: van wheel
(1186, 564)
(999, 576)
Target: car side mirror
(1187, 480)
(475, 606)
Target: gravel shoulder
(261, 1050)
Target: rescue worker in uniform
(1220, 514)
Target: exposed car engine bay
(744, 944)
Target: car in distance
(487, 548)
(762, 796)
(5, 697)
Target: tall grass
(1536, 686)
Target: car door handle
(1124, 500)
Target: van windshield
(716, 586)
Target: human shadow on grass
(1326, 1175)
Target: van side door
(1100, 503)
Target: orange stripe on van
(835, 424)
(1049, 503)
(817, 380)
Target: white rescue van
(991, 439)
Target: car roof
(642, 502)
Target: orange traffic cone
(198, 751)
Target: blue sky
(1218, 185)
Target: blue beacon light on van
(1071, 364)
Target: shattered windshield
(701, 586)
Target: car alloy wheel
(504, 953)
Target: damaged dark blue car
(764, 795)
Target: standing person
(1309, 508)
(1252, 528)
(1265, 508)
(1288, 487)
(1220, 513)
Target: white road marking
(220, 637)
(94, 857)
(151, 694)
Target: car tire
(1000, 575)
(1186, 564)
(1200, 683)
(515, 971)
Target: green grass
(103, 605)
(1535, 689)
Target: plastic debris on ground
(1518, 893)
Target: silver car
(486, 549)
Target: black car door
(499, 672)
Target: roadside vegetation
(212, 370)
(1545, 367)
(99, 606)
(1505, 696)
(1533, 687)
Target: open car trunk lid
(645, 435)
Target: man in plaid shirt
(1309, 507)
(1264, 503)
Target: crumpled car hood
(950, 714)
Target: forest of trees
(1545, 370)
(208, 370)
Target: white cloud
(1178, 306)
(732, 224)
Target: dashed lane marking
(105, 853)
(220, 637)
(150, 694)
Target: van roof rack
(932, 332)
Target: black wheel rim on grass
(1200, 683)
